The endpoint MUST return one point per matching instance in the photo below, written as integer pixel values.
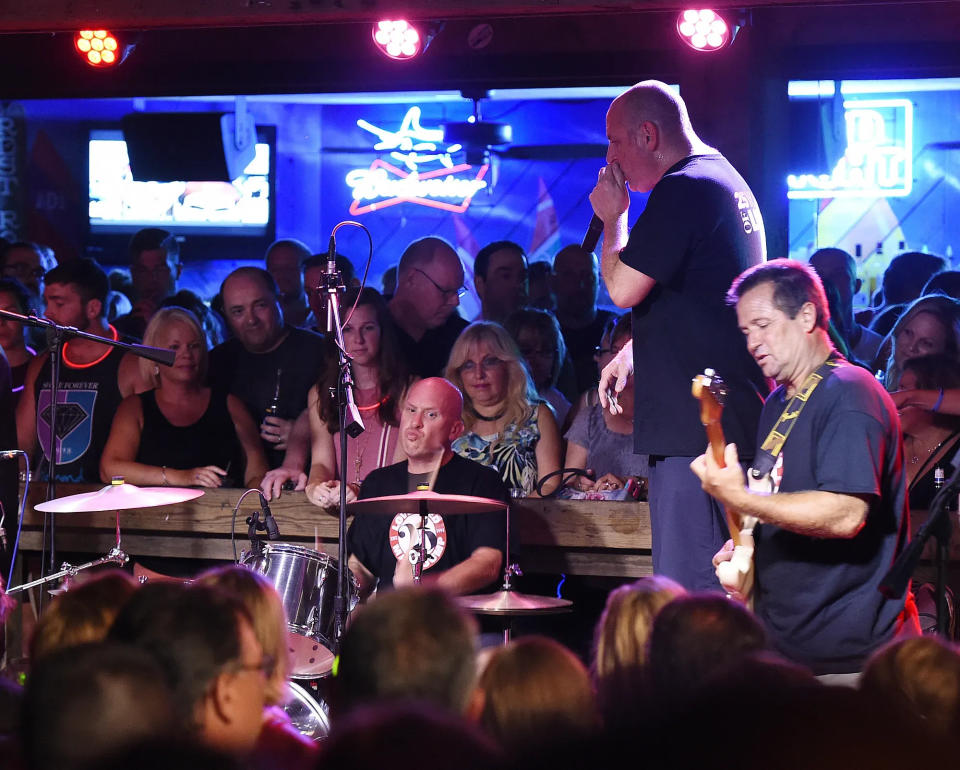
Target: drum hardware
(114, 556)
(306, 582)
(308, 713)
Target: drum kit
(306, 578)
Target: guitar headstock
(711, 391)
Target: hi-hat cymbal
(119, 497)
(513, 603)
(426, 502)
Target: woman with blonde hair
(620, 643)
(182, 433)
(508, 426)
(929, 326)
(532, 694)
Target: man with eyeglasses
(28, 263)
(429, 287)
(155, 268)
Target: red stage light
(99, 48)
(704, 30)
(398, 39)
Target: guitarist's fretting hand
(727, 484)
(613, 378)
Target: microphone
(330, 277)
(269, 523)
(592, 237)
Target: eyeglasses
(265, 665)
(446, 293)
(487, 364)
(24, 271)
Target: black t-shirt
(581, 347)
(427, 357)
(87, 399)
(252, 377)
(376, 539)
(818, 597)
(700, 229)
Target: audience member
(500, 278)
(414, 645)
(930, 325)
(13, 341)
(402, 736)
(92, 380)
(540, 291)
(204, 641)
(279, 743)
(380, 384)
(538, 337)
(183, 432)
(155, 268)
(9, 477)
(840, 269)
(620, 645)
(82, 614)
(268, 363)
(576, 284)
(424, 304)
(313, 269)
(84, 703)
(946, 282)
(534, 694)
(907, 274)
(214, 327)
(284, 261)
(601, 442)
(388, 282)
(694, 638)
(918, 680)
(28, 263)
(507, 426)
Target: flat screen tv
(118, 204)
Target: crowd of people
(846, 421)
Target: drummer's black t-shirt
(378, 540)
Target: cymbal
(426, 502)
(119, 497)
(513, 603)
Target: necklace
(491, 418)
(916, 459)
(73, 365)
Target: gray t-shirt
(607, 452)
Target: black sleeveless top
(211, 440)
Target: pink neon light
(356, 209)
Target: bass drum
(307, 714)
(307, 583)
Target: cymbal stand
(114, 556)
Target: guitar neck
(717, 444)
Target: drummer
(464, 553)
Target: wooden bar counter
(577, 537)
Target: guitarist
(839, 517)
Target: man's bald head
(655, 101)
(427, 251)
(430, 421)
(441, 393)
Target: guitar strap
(772, 445)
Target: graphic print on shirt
(75, 405)
(405, 538)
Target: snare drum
(307, 583)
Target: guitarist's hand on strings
(613, 378)
(728, 484)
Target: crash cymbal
(513, 603)
(119, 497)
(426, 502)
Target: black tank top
(211, 440)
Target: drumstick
(433, 474)
(316, 538)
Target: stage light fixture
(705, 29)
(103, 49)
(401, 39)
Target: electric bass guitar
(736, 575)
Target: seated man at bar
(92, 380)
(424, 305)
(155, 268)
(500, 278)
(464, 552)
(269, 364)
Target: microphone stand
(938, 526)
(57, 335)
(350, 424)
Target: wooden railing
(572, 536)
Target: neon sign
(384, 184)
(878, 161)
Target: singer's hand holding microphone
(610, 199)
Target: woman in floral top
(507, 426)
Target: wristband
(936, 406)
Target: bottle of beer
(273, 408)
